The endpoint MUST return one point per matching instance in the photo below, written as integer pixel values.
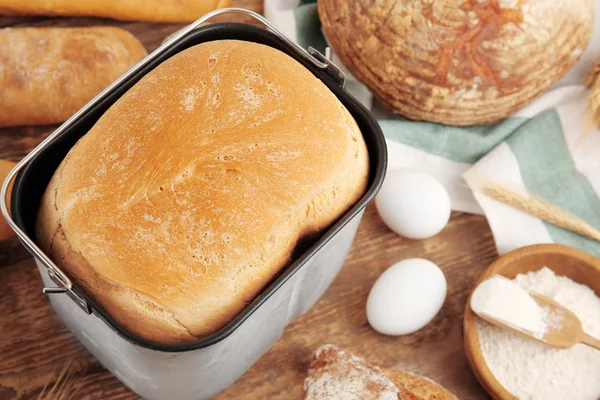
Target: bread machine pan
(203, 368)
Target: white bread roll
(47, 74)
(192, 190)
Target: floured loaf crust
(337, 374)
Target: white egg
(406, 297)
(413, 204)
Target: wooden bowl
(563, 260)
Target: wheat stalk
(541, 209)
(65, 387)
(593, 83)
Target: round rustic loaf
(191, 192)
(457, 62)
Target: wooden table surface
(35, 348)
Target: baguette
(133, 10)
(47, 74)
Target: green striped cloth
(545, 149)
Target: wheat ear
(65, 387)
(593, 83)
(542, 209)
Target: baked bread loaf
(134, 10)
(457, 62)
(337, 374)
(47, 74)
(191, 192)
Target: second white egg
(413, 204)
(406, 297)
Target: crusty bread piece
(135, 10)
(337, 374)
(415, 387)
(47, 74)
(192, 190)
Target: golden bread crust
(192, 190)
(415, 387)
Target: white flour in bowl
(534, 371)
